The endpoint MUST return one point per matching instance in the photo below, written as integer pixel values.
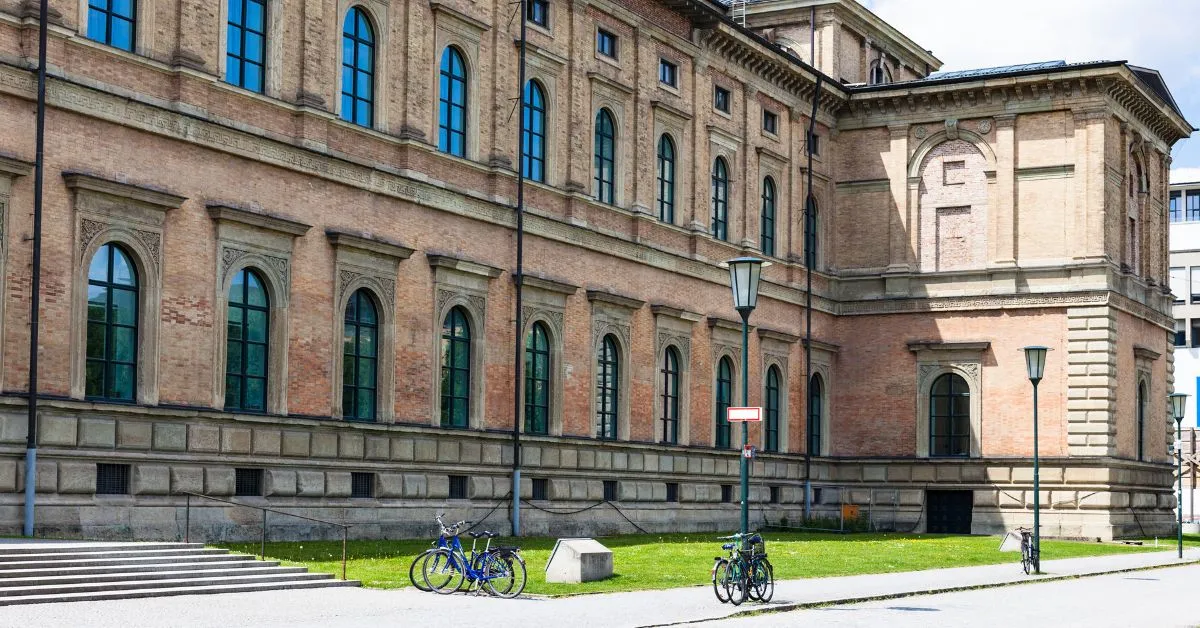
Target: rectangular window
(248, 482)
(721, 99)
(1195, 291)
(814, 143)
(672, 491)
(538, 12)
(362, 485)
(539, 489)
(458, 487)
(726, 493)
(245, 44)
(112, 479)
(816, 496)
(774, 494)
(1192, 207)
(770, 122)
(112, 22)
(1180, 333)
(1179, 284)
(668, 73)
(610, 490)
(1176, 206)
(1195, 332)
(606, 43)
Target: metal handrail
(187, 523)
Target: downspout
(810, 258)
(518, 280)
(35, 303)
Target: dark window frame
(1176, 206)
(608, 388)
(238, 30)
(668, 73)
(355, 326)
(456, 369)
(767, 221)
(533, 144)
(607, 43)
(812, 241)
(362, 485)
(108, 363)
(457, 487)
(956, 443)
(726, 493)
(814, 143)
(1141, 420)
(610, 490)
(452, 101)
(112, 479)
(540, 489)
(358, 33)
(774, 494)
(538, 363)
(770, 122)
(104, 10)
(1191, 206)
(771, 408)
(670, 396)
(604, 166)
(538, 12)
(242, 375)
(248, 483)
(722, 99)
(672, 492)
(724, 399)
(666, 179)
(720, 200)
(1195, 332)
(816, 406)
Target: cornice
(612, 298)
(258, 219)
(938, 345)
(443, 260)
(725, 323)
(772, 334)
(366, 242)
(550, 285)
(675, 111)
(14, 167)
(674, 312)
(441, 6)
(159, 199)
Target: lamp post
(744, 273)
(1178, 401)
(1035, 364)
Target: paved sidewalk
(363, 607)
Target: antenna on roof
(738, 12)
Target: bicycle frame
(459, 560)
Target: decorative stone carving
(920, 132)
(88, 230)
(952, 128)
(604, 327)
(229, 257)
(985, 127)
(153, 242)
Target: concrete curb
(796, 606)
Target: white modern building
(1185, 285)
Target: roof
(1003, 69)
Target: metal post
(1192, 485)
(187, 521)
(344, 530)
(810, 259)
(745, 424)
(36, 283)
(1179, 457)
(262, 546)
(519, 281)
(1037, 527)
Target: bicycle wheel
(720, 580)
(764, 580)
(1026, 558)
(504, 574)
(414, 575)
(442, 572)
(739, 582)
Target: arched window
(112, 326)
(246, 43)
(360, 346)
(246, 343)
(537, 380)
(533, 144)
(720, 199)
(670, 396)
(879, 74)
(605, 158)
(112, 22)
(771, 426)
(452, 99)
(666, 179)
(816, 405)
(607, 388)
(949, 417)
(768, 217)
(724, 399)
(810, 233)
(358, 68)
(456, 369)
(1141, 420)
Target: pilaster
(1091, 381)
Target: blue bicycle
(498, 570)
(419, 582)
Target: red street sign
(748, 451)
(745, 414)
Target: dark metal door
(948, 512)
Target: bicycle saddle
(727, 546)
(483, 535)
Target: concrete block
(627, 491)
(910, 498)
(98, 433)
(897, 473)
(134, 435)
(666, 464)
(438, 486)
(637, 462)
(874, 473)
(681, 466)
(350, 446)
(150, 479)
(218, 481)
(58, 430)
(550, 457)
(267, 442)
(974, 473)
(707, 467)
(645, 491)
(470, 453)
(658, 491)
(425, 450)
(189, 479)
(281, 482)
(604, 460)
(948, 473)
(376, 448)
(687, 493)
(569, 458)
(235, 440)
(76, 477)
(621, 461)
(8, 476)
(310, 483)
(479, 487)
(501, 486)
(170, 437)
(594, 490)
(531, 456)
(337, 483)
(415, 485)
(587, 459)
(579, 560)
(1012, 499)
(1022, 475)
(922, 473)
(577, 490)
(491, 454)
(13, 428)
(295, 444)
(390, 485)
(403, 449)
(323, 445)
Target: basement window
(458, 487)
(248, 482)
(362, 485)
(112, 479)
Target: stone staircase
(66, 571)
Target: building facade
(278, 253)
(1184, 210)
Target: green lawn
(651, 561)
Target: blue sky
(1159, 34)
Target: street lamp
(1035, 364)
(1178, 401)
(744, 273)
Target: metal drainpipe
(810, 258)
(519, 280)
(35, 302)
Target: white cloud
(1185, 175)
